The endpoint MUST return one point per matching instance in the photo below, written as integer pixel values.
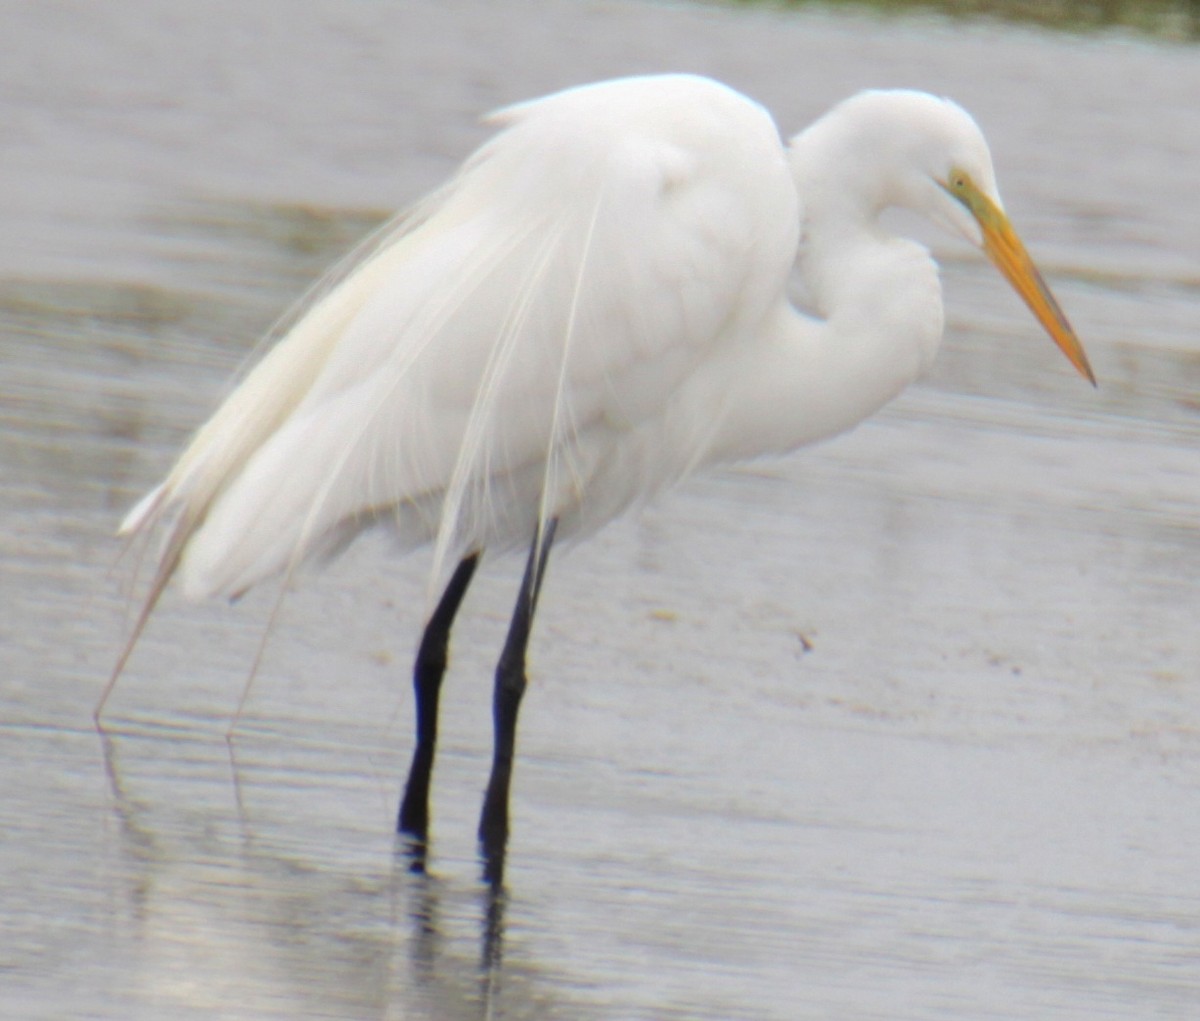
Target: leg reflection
(493, 930)
(438, 977)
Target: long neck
(878, 302)
(876, 328)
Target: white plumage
(593, 307)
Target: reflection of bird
(591, 309)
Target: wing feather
(483, 359)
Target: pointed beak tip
(1078, 357)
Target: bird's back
(507, 345)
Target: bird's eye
(957, 183)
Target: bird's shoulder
(661, 132)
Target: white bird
(591, 309)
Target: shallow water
(904, 726)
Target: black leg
(510, 686)
(427, 683)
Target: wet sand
(905, 726)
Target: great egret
(591, 309)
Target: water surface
(904, 726)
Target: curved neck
(878, 299)
(875, 301)
(877, 328)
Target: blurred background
(903, 726)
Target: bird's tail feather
(220, 447)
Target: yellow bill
(1005, 249)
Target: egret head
(914, 150)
